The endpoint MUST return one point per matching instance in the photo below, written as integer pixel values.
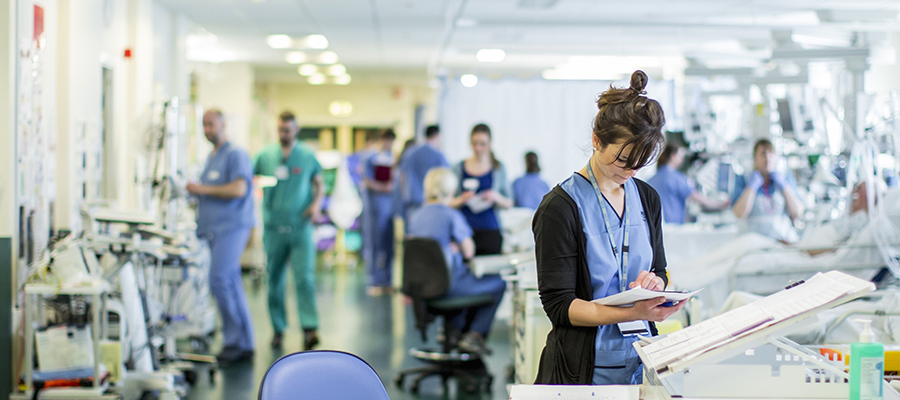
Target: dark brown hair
(763, 143)
(531, 162)
(287, 116)
(388, 134)
(483, 128)
(666, 154)
(626, 114)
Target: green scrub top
(285, 203)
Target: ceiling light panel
(328, 57)
(490, 55)
(307, 69)
(295, 57)
(279, 41)
(316, 79)
(337, 70)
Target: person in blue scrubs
(379, 208)
(290, 208)
(767, 198)
(675, 189)
(437, 220)
(224, 219)
(483, 190)
(356, 164)
(529, 189)
(414, 164)
(594, 239)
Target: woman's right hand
(653, 309)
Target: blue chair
(321, 374)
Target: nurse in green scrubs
(289, 209)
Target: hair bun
(638, 82)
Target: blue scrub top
(415, 165)
(674, 189)
(356, 163)
(529, 190)
(214, 214)
(486, 219)
(616, 361)
(445, 225)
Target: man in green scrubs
(289, 209)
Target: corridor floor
(380, 330)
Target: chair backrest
(425, 272)
(321, 374)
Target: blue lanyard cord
(622, 262)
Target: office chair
(426, 280)
(321, 374)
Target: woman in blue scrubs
(483, 190)
(529, 189)
(437, 220)
(599, 233)
(379, 208)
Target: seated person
(437, 220)
(845, 243)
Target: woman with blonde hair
(437, 220)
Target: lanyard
(622, 262)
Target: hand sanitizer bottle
(866, 366)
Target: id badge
(281, 172)
(633, 328)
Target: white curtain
(551, 118)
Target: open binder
(743, 353)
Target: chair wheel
(414, 388)
(399, 381)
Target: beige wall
(228, 87)
(374, 105)
(7, 121)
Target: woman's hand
(649, 281)
(653, 309)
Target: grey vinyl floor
(379, 330)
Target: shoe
(310, 340)
(231, 356)
(276, 340)
(473, 342)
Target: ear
(595, 142)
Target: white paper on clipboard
(637, 294)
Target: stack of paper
(697, 339)
(637, 294)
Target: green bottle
(866, 366)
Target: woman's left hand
(490, 195)
(648, 280)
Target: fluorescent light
(316, 42)
(328, 57)
(340, 108)
(279, 41)
(490, 55)
(468, 80)
(342, 79)
(337, 69)
(316, 79)
(307, 69)
(295, 57)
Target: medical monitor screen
(785, 117)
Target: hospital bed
(760, 265)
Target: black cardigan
(563, 276)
